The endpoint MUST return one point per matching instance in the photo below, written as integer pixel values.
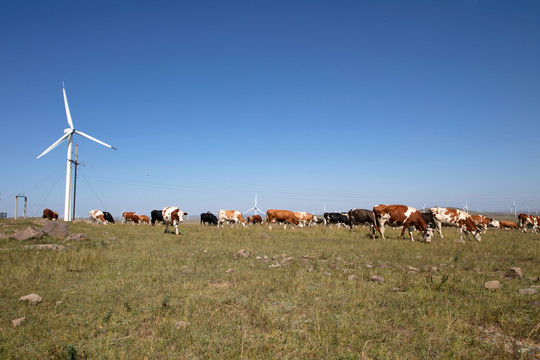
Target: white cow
(230, 215)
(172, 215)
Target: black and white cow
(108, 217)
(336, 218)
(208, 218)
(362, 217)
(156, 215)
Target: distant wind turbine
(254, 207)
(68, 134)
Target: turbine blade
(64, 137)
(68, 114)
(94, 139)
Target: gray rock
(377, 279)
(56, 229)
(28, 233)
(493, 285)
(77, 237)
(18, 322)
(242, 253)
(514, 273)
(54, 247)
(528, 291)
(32, 298)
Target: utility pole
(25, 203)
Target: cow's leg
(438, 224)
(166, 228)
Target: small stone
(528, 291)
(351, 277)
(377, 279)
(59, 302)
(182, 324)
(310, 269)
(18, 322)
(493, 285)
(411, 269)
(32, 298)
(369, 265)
(397, 289)
(514, 273)
(242, 253)
(77, 237)
(54, 247)
(274, 265)
(229, 271)
(258, 258)
(308, 257)
(287, 260)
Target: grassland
(299, 294)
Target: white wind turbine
(255, 207)
(68, 134)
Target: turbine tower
(255, 207)
(68, 134)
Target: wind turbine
(68, 134)
(255, 207)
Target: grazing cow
(508, 225)
(107, 215)
(336, 218)
(97, 217)
(172, 215)
(208, 218)
(483, 222)
(255, 219)
(130, 216)
(281, 216)
(50, 215)
(362, 217)
(430, 221)
(525, 220)
(156, 215)
(143, 219)
(234, 216)
(305, 218)
(401, 215)
(455, 217)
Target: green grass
(123, 290)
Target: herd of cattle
(406, 217)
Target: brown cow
(234, 216)
(49, 214)
(525, 220)
(508, 225)
(97, 217)
(483, 222)
(305, 218)
(279, 216)
(455, 217)
(401, 215)
(130, 216)
(255, 219)
(143, 219)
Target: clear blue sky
(307, 103)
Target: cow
(172, 215)
(208, 218)
(362, 217)
(281, 216)
(336, 218)
(97, 217)
(143, 219)
(107, 215)
(234, 216)
(130, 216)
(50, 215)
(483, 222)
(525, 220)
(255, 219)
(305, 218)
(430, 221)
(401, 215)
(508, 225)
(155, 216)
(455, 217)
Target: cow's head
(494, 223)
(427, 234)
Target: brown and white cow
(130, 216)
(455, 217)
(234, 216)
(49, 214)
(525, 220)
(172, 215)
(305, 218)
(255, 219)
(508, 225)
(144, 219)
(281, 216)
(401, 215)
(97, 217)
(483, 222)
